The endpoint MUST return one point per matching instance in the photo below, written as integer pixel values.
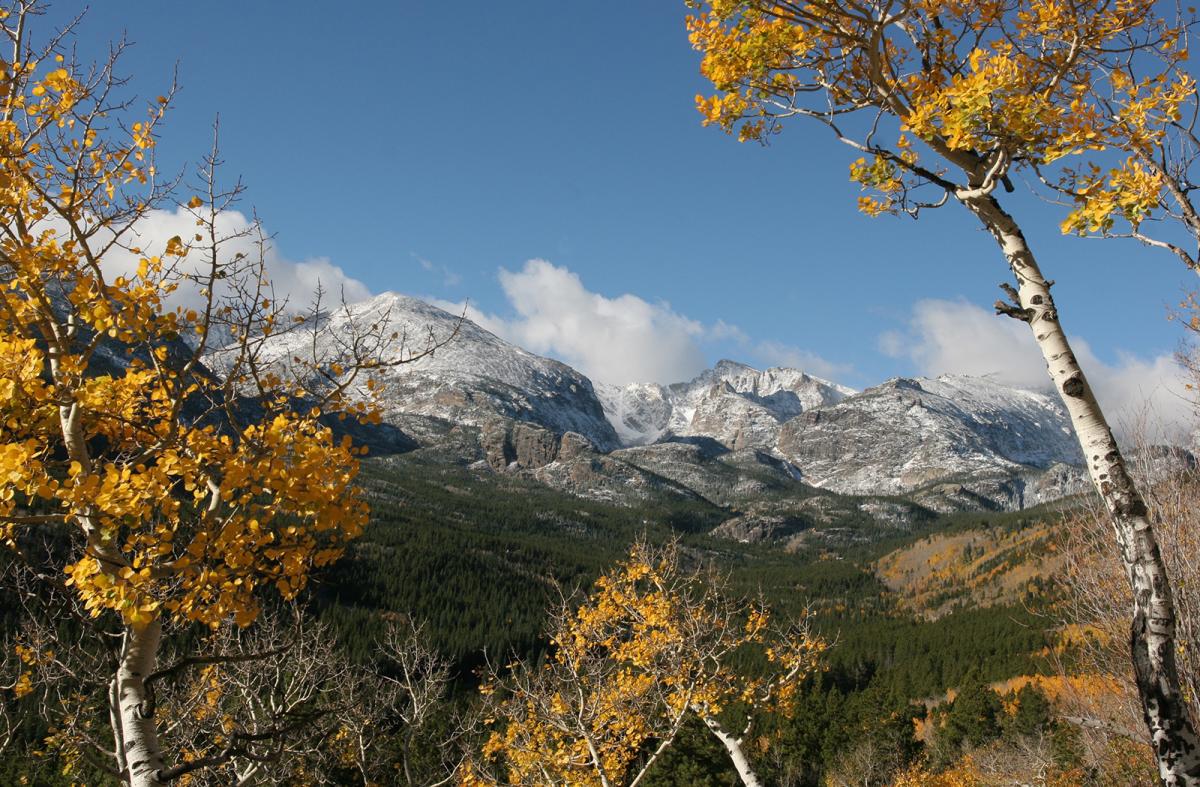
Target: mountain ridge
(947, 443)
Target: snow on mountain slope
(949, 443)
(954, 439)
(639, 412)
(735, 404)
(472, 379)
(905, 434)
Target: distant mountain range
(734, 435)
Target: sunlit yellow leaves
(285, 504)
(880, 175)
(995, 102)
(652, 646)
(175, 247)
(59, 80)
(1037, 79)
(1130, 192)
(757, 45)
(182, 515)
(963, 774)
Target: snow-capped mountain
(730, 436)
(953, 442)
(732, 403)
(906, 434)
(474, 378)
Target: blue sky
(477, 135)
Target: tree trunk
(1152, 639)
(734, 747)
(137, 734)
(131, 711)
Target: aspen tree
(189, 495)
(650, 649)
(944, 100)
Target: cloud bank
(614, 340)
(618, 340)
(295, 281)
(957, 337)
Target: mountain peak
(726, 365)
(732, 402)
(472, 379)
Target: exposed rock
(600, 477)
(533, 445)
(892, 513)
(574, 446)
(497, 445)
(722, 476)
(732, 403)
(906, 435)
(510, 445)
(753, 528)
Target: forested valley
(264, 522)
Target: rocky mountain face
(952, 443)
(906, 435)
(732, 403)
(473, 378)
(779, 449)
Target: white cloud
(295, 281)
(957, 337)
(616, 340)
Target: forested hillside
(481, 559)
(264, 520)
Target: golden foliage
(1033, 81)
(962, 774)
(186, 510)
(988, 566)
(650, 647)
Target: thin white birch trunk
(733, 746)
(1152, 636)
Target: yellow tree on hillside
(651, 648)
(943, 100)
(186, 495)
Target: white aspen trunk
(139, 735)
(135, 736)
(1152, 635)
(114, 718)
(733, 746)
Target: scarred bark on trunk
(1152, 638)
(138, 733)
(733, 746)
